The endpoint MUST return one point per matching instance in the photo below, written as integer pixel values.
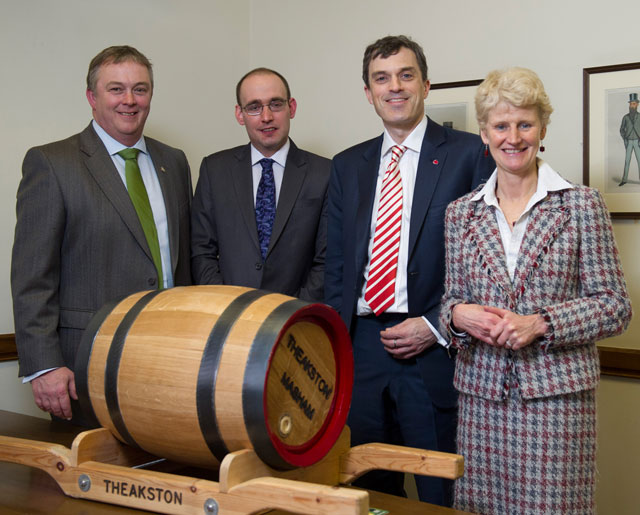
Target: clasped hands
(498, 327)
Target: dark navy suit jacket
(451, 164)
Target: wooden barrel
(193, 373)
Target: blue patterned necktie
(265, 205)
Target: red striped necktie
(381, 283)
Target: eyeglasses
(275, 106)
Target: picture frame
(452, 104)
(608, 92)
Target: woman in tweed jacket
(533, 279)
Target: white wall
(16, 396)
(618, 452)
(462, 40)
(201, 47)
(198, 48)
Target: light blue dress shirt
(152, 185)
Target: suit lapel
(367, 178)
(433, 156)
(545, 221)
(484, 233)
(163, 173)
(295, 172)
(101, 167)
(242, 179)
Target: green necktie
(140, 199)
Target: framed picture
(611, 136)
(451, 104)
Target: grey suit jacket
(224, 238)
(79, 243)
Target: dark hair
(265, 71)
(390, 45)
(115, 55)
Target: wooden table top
(28, 490)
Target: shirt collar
(279, 157)
(413, 141)
(548, 180)
(112, 145)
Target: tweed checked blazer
(79, 242)
(568, 270)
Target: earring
(542, 149)
(486, 150)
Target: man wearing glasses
(259, 210)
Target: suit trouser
(633, 145)
(392, 405)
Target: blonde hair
(519, 87)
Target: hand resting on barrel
(51, 392)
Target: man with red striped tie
(385, 262)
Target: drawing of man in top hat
(630, 132)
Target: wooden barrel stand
(254, 383)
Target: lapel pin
(162, 169)
(435, 161)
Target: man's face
(397, 91)
(122, 100)
(633, 106)
(268, 131)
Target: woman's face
(513, 135)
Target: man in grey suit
(259, 210)
(79, 240)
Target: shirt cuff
(457, 334)
(28, 379)
(438, 336)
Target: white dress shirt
(279, 160)
(548, 180)
(408, 166)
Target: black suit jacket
(79, 243)
(224, 241)
(451, 164)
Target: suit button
(258, 266)
(151, 281)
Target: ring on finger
(508, 344)
(394, 343)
